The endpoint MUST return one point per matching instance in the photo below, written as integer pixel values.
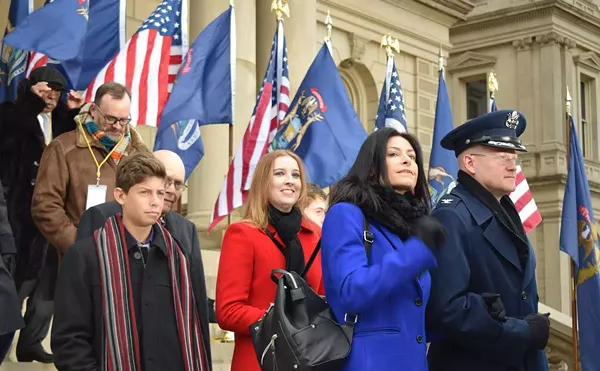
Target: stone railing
(560, 345)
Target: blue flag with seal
(321, 125)
(104, 37)
(13, 61)
(203, 92)
(579, 239)
(443, 167)
(40, 31)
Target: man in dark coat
(26, 127)
(483, 309)
(149, 289)
(11, 319)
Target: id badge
(96, 195)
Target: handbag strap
(351, 318)
(281, 248)
(312, 258)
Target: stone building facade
(537, 48)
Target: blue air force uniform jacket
(479, 256)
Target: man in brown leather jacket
(78, 168)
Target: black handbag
(299, 330)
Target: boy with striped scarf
(125, 299)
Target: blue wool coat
(479, 256)
(389, 293)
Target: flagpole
(230, 144)
(329, 24)
(441, 61)
(391, 45)
(574, 321)
(492, 88)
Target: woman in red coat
(248, 255)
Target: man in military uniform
(483, 309)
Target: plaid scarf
(121, 342)
(108, 143)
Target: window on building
(587, 114)
(477, 98)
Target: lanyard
(99, 165)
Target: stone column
(266, 24)
(207, 179)
(525, 95)
(552, 116)
(301, 36)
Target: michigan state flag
(579, 239)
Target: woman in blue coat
(385, 291)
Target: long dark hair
(370, 169)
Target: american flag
(391, 111)
(522, 198)
(149, 62)
(271, 105)
(35, 60)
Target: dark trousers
(5, 342)
(40, 306)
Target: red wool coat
(244, 286)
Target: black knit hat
(50, 75)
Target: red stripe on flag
(143, 88)
(88, 93)
(163, 77)
(520, 177)
(523, 200)
(176, 59)
(130, 63)
(533, 221)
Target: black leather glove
(10, 262)
(430, 231)
(495, 306)
(539, 326)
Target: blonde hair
(257, 211)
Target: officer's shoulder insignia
(450, 200)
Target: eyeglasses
(502, 159)
(112, 120)
(178, 185)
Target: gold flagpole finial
(492, 83)
(391, 45)
(231, 2)
(568, 101)
(441, 58)
(329, 24)
(281, 8)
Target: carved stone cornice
(554, 38)
(589, 59)
(523, 44)
(358, 45)
(582, 10)
(456, 8)
(496, 19)
(470, 60)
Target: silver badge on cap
(512, 120)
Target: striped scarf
(108, 143)
(121, 341)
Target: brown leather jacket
(66, 170)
